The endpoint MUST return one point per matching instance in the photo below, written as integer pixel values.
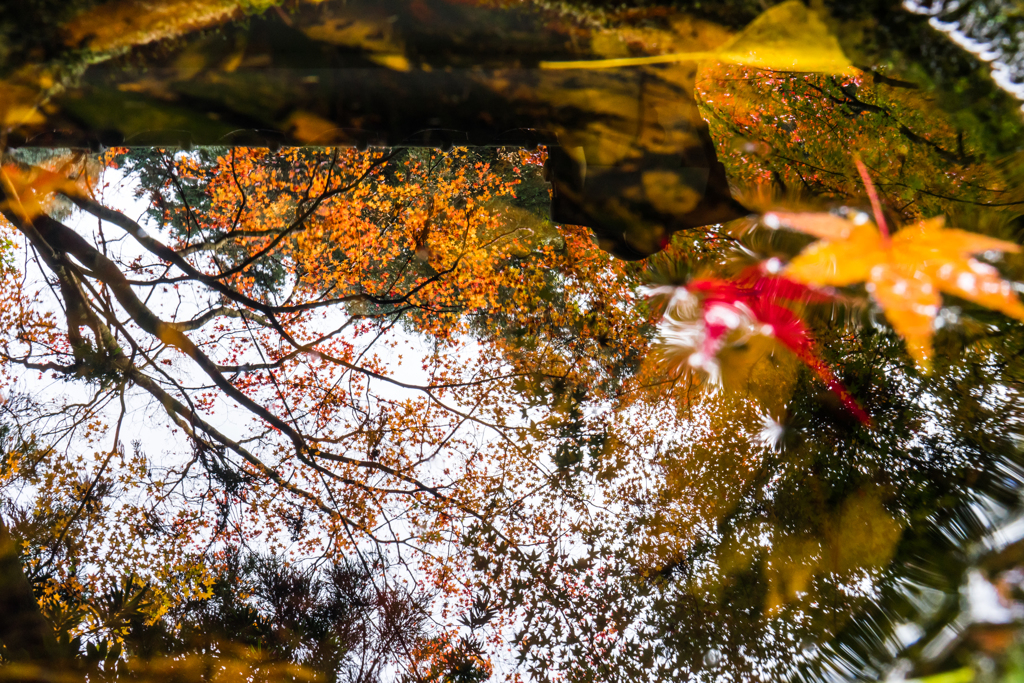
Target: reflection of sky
(146, 422)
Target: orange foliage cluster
(425, 255)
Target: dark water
(853, 510)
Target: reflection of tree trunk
(24, 631)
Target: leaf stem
(628, 61)
(876, 205)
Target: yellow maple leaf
(905, 274)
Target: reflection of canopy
(631, 157)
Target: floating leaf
(788, 37)
(751, 305)
(312, 129)
(824, 226)
(905, 274)
(18, 106)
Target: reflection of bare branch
(91, 307)
(344, 454)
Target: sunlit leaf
(825, 226)
(962, 675)
(905, 274)
(787, 37)
(18, 106)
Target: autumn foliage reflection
(292, 287)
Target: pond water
(456, 340)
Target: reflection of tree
(635, 526)
(257, 614)
(946, 467)
(389, 244)
(624, 525)
(764, 549)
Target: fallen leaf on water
(749, 304)
(905, 274)
(788, 37)
(824, 226)
(18, 106)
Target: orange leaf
(824, 226)
(905, 274)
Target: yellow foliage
(312, 129)
(18, 106)
(787, 37)
(30, 192)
